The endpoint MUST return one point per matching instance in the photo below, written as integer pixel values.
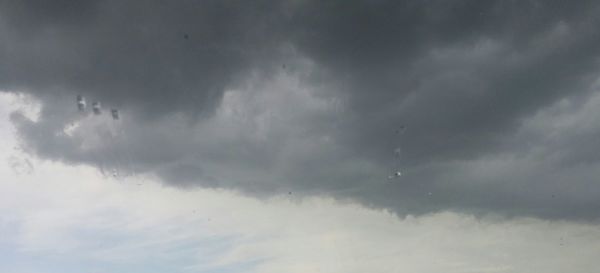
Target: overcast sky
(497, 102)
(61, 218)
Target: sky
(281, 122)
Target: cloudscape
(131, 123)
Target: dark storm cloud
(306, 96)
(134, 54)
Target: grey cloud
(134, 54)
(305, 96)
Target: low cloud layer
(69, 219)
(498, 98)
